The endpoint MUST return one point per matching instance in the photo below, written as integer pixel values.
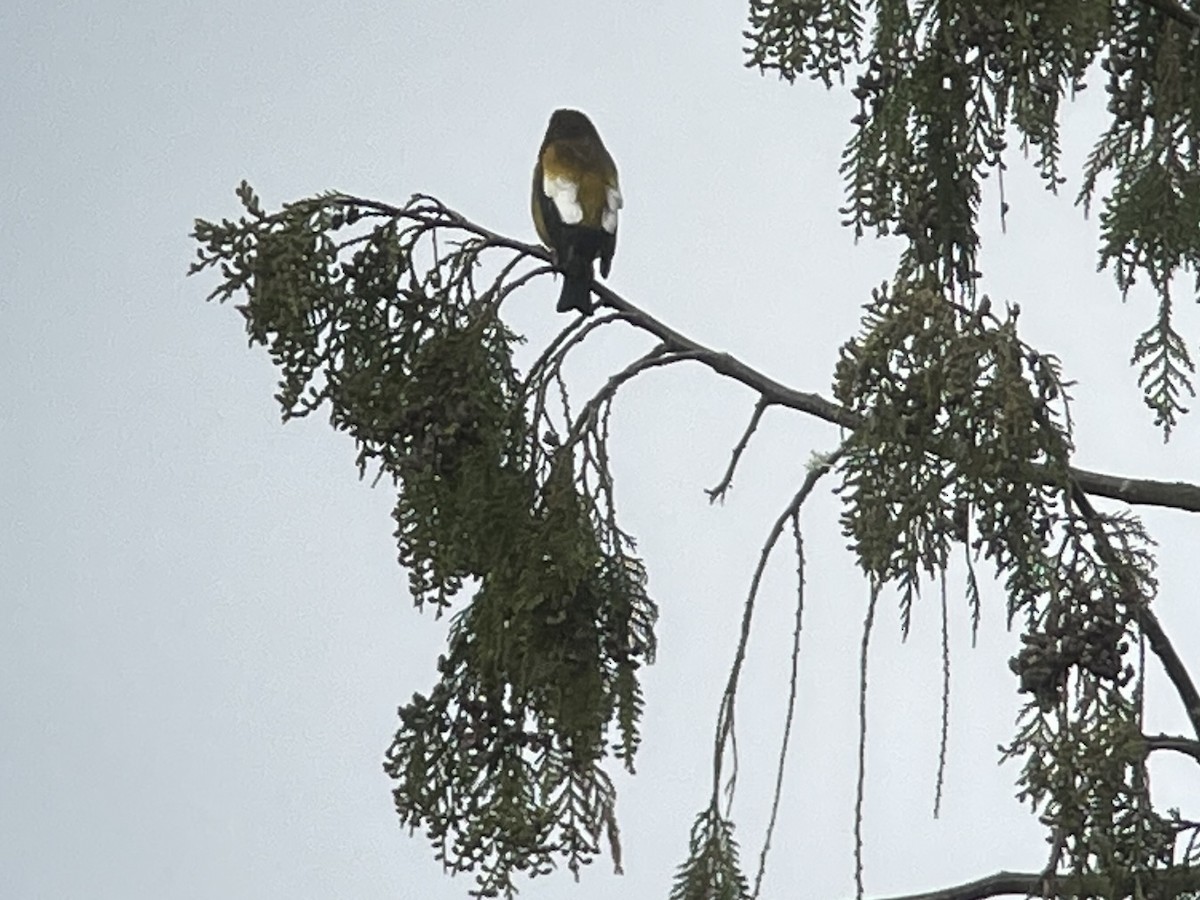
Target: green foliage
(942, 87)
(966, 435)
(711, 871)
(1150, 222)
(963, 422)
(819, 37)
(965, 443)
(365, 314)
(1081, 733)
(502, 758)
(1167, 368)
(505, 496)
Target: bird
(576, 198)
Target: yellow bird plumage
(576, 199)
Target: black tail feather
(576, 293)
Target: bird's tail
(576, 294)
(577, 284)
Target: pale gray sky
(203, 632)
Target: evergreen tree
(958, 444)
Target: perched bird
(576, 197)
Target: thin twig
(1178, 744)
(725, 716)
(860, 787)
(1162, 647)
(718, 492)
(944, 742)
(1058, 843)
(572, 334)
(658, 356)
(793, 682)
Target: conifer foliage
(945, 85)
(957, 449)
(501, 765)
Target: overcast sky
(203, 631)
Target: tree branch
(770, 390)
(658, 356)
(718, 493)
(1176, 11)
(1134, 491)
(725, 717)
(998, 885)
(1162, 647)
(1163, 883)
(1173, 742)
(1140, 491)
(1160, 644)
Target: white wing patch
(613, 202)
(564, 193)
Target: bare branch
(770, 390)
(1172, 742)
(1163, 883)
(1160, 644)
(789, 715)
(1140, 491)
(659, 356)
(998, 885)
(1162, 647)
(1176, 11)
(944, 739)
(1134, 491)
(718, 492)
(861, 781)
(725, 717)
